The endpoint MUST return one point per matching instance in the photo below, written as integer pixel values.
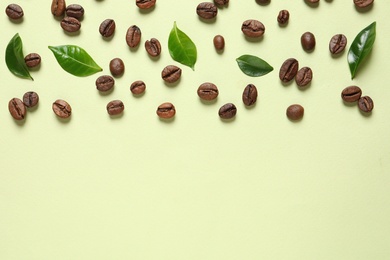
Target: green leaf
(75, 60)
(181, 47)
(361, 47)
(253, 66)
(14, 58)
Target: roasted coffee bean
(362, 3)
(153, 47)
(105, 83)
(227, 111)
(366, 104)
(166, 110)
(145, 4)
(17, 109)
(219, 42)
(137, 87)
(308, 41)
(288, 70)
(30, 99)
(283, 17)
(171, 73)
(351, 94)
(207, 10)
(208, 91)
(75, 10)
(337, 43)
(107, 28)
(221, 2)
(295, 112)
(304, 76)
(115, 107)
(58, 7)
(32, 60)
(313, 1)
(133, 36)
(117, 67)
(70, 24)
(61, 108)
(14, 11)
(262, 2)
(253, 28)
(249, 96)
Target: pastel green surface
(196, 187)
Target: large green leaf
(14, 58)
(253, 66)
(181, 48)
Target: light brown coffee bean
(288, 70)
(365, 104)
(208, 91)
(133, 36)
(70, 24)
(117, 67)
(75, 10)
(166, 110)
(17, 109)
(351, 94)
(137, 87)
(304, 76)
(171, 74)
(227, 111)
(153, 47)
(14, 11)
(219, 42)
(107, 28)
(115, 107)
(253, 28)
(249, 96)
(58, 7)
(363, 3)
(32, 60)
(337, 43)
(207, 10)
(61, 108)
(145, 4)
(104, 83)
(295, 112)
(30, 99)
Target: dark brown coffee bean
(207, 10)
(30, 99)
(337, 43)
(107, 28)
(362, 3)
(145, 4)
(366, 104)
(32, 60)
(17, 109)
(283, 17)
(221, 2)
(137, 87)
(208, 91)
(61, 108)
(308, 41)
(351, 94)
(115, 107)
(304, 76)
(219, 42)
(249, 96)
(153, 47)
(295, 112)
(133, 36)
(104, 83)
(171, 74)
(70, 24)
(58, 7)
(166, 110)
(14, 11)
(117, 67)
(227, 111)
(253, 28)
(75, 10)
(288, 70)
(262, 2)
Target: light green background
(196, 187)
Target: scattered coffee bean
(61, 108)
(145, 4)
(107, 28)
(249, 96)
(171, 73)
(32, 60)
(283, 17)
(313, 1)
(308, 41)
(14, 11)
(227, 111)
(337, 43)
(219, 42)
(304, 76)
(70, 24)
(288, 70)
(30, 99)
(208, 91)
(351, 94)
(362, 3)
(253, 28)
(295, 112)
(75, 10)
(104, 83)
(221, 2)
(166, 110)
(207, 10)
(137, 87)
(365, 104)
(262, 2)
(115, 107)
(58, 7)
(17, 109)
(117, 67)
(133, 36)
(153, 47)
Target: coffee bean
(288, 70)
(104, 83)
(308, 41)
(30, 99)
(207, 10)
(362, 3)
(137, 87)
(262, 2)
(32, 60)
(227, 111)
(283, 17)
(304, 76)
(166, 110)
(313, 1)
(351, 94)
(219, 42)
(133, 36)
(61, 108)
(58, 7)
(221, 2)
(153, 47)
(208, 91)
(295, 112)
(70, 24)
(107, 28)
(337, 43)
(145, 4)
(171, 73)
(365, 104)
(75, 10)
(17, 109)
(252, 28)
(115, 107)
(14, 11)
(249, 96)
(117, 67)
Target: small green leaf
(361, 47)
(181, 48)
(14, 58)
(253, 66)
(75, 60)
